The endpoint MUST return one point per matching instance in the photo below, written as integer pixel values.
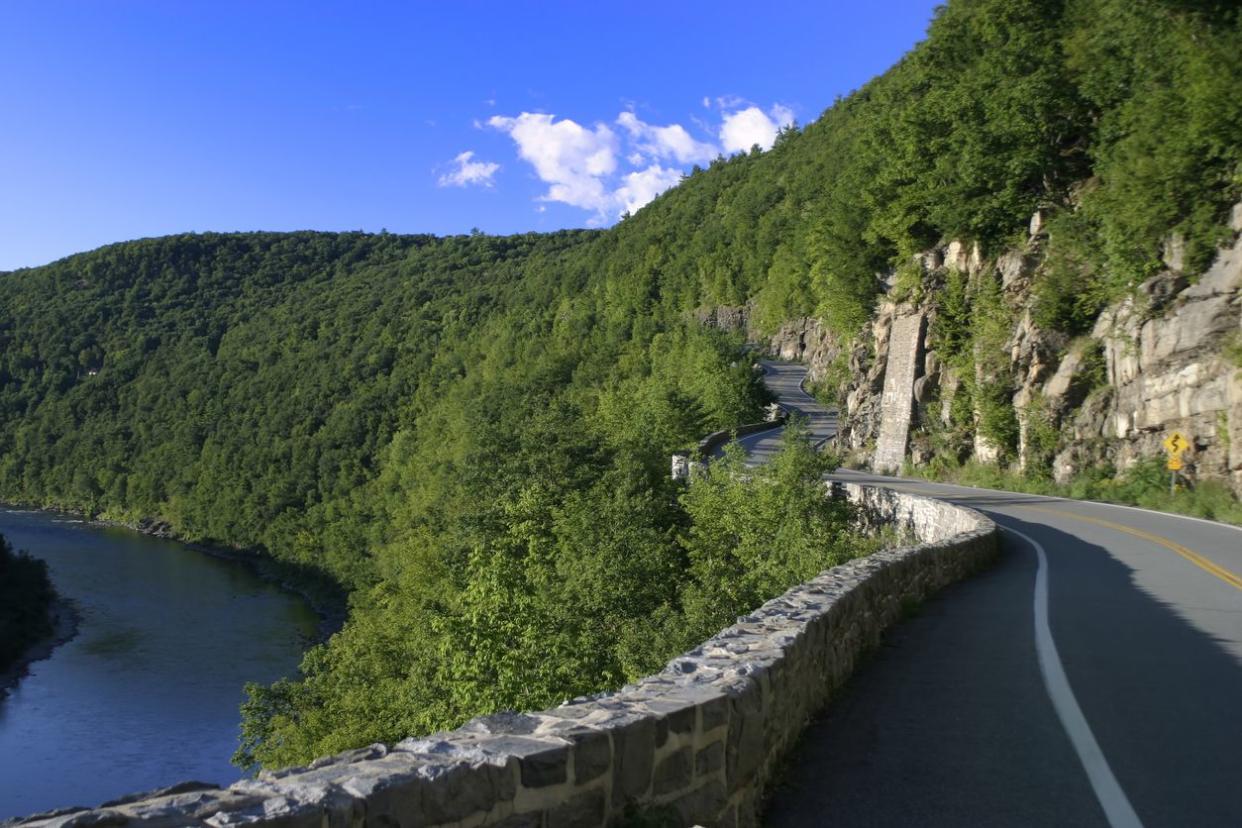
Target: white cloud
(571, 159)
(469, 173)
(744, 128)
(638, 188)
(665, 142)
(614, 170)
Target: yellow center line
(1194, 557)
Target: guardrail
(708, 445)
(695, 743)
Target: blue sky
(134, 118)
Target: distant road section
(785, 380)
(1093, 677)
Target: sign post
(1176, 445)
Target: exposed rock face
(807, 340)
(1038, 220)
(1162, 360)
(804, 339)
(1170, 371)
(726, 317)
(1166, 368)
(1016, 268)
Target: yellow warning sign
(1175, 444)
(1175, 463)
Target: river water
(147, 693)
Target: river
(147, 693)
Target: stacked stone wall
(709, 444)
(695, 743)
(905, 354)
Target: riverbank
(65, 621)
(326, 599)
(148, 692)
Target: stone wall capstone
(716, 439)
(695, 743)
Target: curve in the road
(954, 723)
(785, 379)
(1116, 805)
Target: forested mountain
(471, 434)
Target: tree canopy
(471, 433)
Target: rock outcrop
(1161, 360)
(1170, 366)
(804, 339)
(1164, 359)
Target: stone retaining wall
(708, 445)
(695, 743)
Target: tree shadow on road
(949, 722)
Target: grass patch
(1145, 484)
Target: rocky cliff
(958, 366)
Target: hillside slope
(471, 433)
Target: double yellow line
(1194, 557)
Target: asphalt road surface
(1092, 677)
(785, 381)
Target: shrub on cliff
(756, 532)
(579, 587)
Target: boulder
(1016, 268)
(957, 257)
(1039, 220)
(1173, 253)
(975, 263)
(925, 388)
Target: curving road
(1093, 677)
(785, 381)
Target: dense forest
(471, 434)
(26, 597)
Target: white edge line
(1117, 808)
(1108, 792)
